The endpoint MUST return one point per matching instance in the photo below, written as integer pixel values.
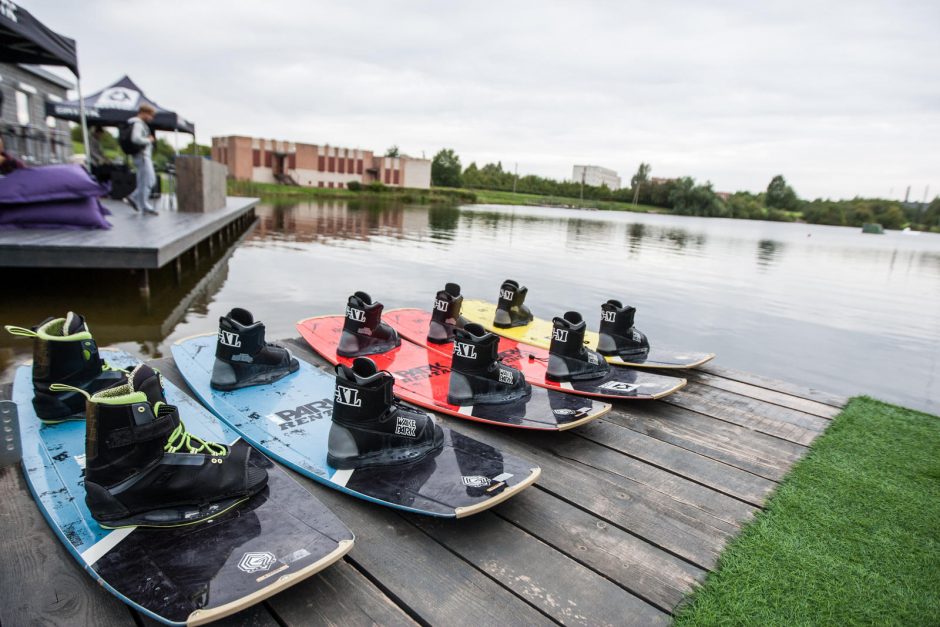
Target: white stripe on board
(565, 385)
(465, 410)
(341, 477)
(95, 552)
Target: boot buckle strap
(153, 430)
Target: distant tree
(780, 195)
(392, 152)
(201, 149)
(641, 177)
(687, 198)
(932, 215)
(445, 169)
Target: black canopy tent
(113, 105)
(24, 39)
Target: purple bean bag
(80, 213)
(48, 183)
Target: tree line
(686, 196)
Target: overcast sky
(843, 98)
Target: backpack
(124, 139)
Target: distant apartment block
(311, 165)
(595, 175)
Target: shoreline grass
(851, 536)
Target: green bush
(376, 186)
(354, 186)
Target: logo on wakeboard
(229, 338)
(462, 349)
(288, 419)
(348, 396)
(609, 316)
(440, 305)
(406, 426)
(253, 562)
(356, 315)
(617, 386)
(560, 335)
(505, 376)
(476, 481)
(507, 294)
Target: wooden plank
(809, 393)
(394, 552)
(647, 571)
(698, 468)
(764, 455)
(339, 595)
(561, 587)
(789, 401)
(42, 583)
(787, 424)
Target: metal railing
(37, 144)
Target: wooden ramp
(629, 514)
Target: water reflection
(840, 310)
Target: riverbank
(276, 193)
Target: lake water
(822, 306)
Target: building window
(332, 165)
(268, 158)
(388, 176)
(320, 184)
(350, 165)
(331, 184)
(50, 121)
(256, 158)
(339, 185)
(321, 164)
(22, 107)
(342, 166)
(359, 166)
(395, 177)
(292, 161)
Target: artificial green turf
(851, 536)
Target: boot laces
(183, 440)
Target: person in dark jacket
(8, 161)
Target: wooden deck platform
(135, 242)
(629, 514)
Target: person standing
(142, 137)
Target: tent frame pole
(81, 113)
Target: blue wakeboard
(289, 420)
(189, 574)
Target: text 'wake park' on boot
(370, 427)
(510, 308)
(364, 333)
(143, 468)
(65, 352)
(242, 356)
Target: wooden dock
(630, 513)
(136, 241)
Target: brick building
(311, 165)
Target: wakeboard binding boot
(364, 333)
(510, 310)
(370, 427)
(618, 337)
(478, 377)
(446, 315)
(568, 358)
(143, 468)
(65, 352)
(242, 356)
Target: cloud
(840, 97)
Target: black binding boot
(510, 310)
(243, 358)
(143, 468)
(364, 333)
(65, 352)
(478, 377)
(370, 428)
(618, 336)
(446, 315)
(569, 359)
